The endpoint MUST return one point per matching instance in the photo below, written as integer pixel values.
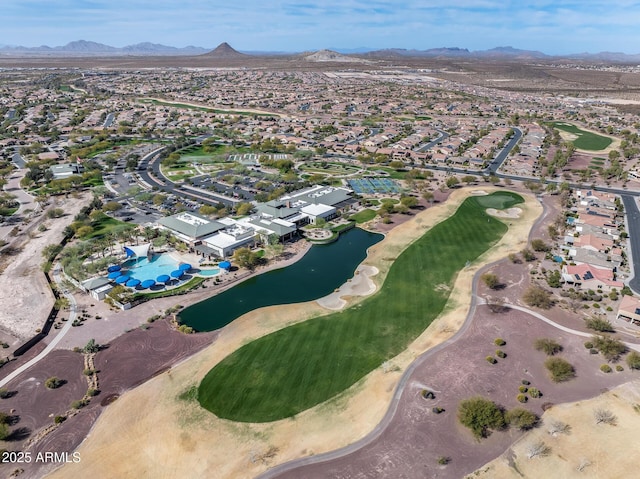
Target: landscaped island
(293, 369)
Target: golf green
(585, 140)
(298, 367)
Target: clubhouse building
(282, 218)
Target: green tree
(53, 382)
(521, 418)
(491, 280)
(452, 182)
(208, 210)
(111, 206)
(91, 346)
(633, 360)
(539, 245)
(610, 348)
(246, 258)
(409, 201)
(600, 325)
(243, 209)
(548, 346)
(468, 179)
(560, 369)
(480, 415)
(538, 297)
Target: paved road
(443, 136)
(51, 346)
(632, 220)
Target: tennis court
(373, 185)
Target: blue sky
(550, 26)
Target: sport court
(373, 185)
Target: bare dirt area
(34, 405)
(162, 430)
(587, 449)
(125, 363)
(23, 287)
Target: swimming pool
(209, 272)
(142, 268)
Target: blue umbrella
(225, 264)
(147, 283)
(122, 279)
(184, 267)
(132, 283)
(114, 274)
(163, 278)
(177, 273)
(115, 267)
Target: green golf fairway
(298, 367)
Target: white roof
(317, 210)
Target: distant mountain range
(86, 48)
(225, 51)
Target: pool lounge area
(155, 272)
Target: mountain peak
(226, 51)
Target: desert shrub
(428, 394)
(491, 360)
(538, 449)
(521, 398)
(79, 404)
(523, 388)
(89, 372)
(525, 382)
(540, 246)
(183, 328)
(598, 324)
(59, 419)
(604, 416)
(491, 280)
(5, 432)
(528, 255)
(437, 410)
(4, 393)
(521, 418)
(499, 342)
(560, 369)
(605, 368)
(480, 415)
(619, 368)
(633, 360)
(610, 348)
(91, 392)
(500, 353)
(534, 393)
(593, 351)
(548, 346)
(538, 297)
(444, 460)
(54, 382)
(588, 345)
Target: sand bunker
(360, 285)
(510, 213)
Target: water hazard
(323, 269)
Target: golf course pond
(323, 269)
